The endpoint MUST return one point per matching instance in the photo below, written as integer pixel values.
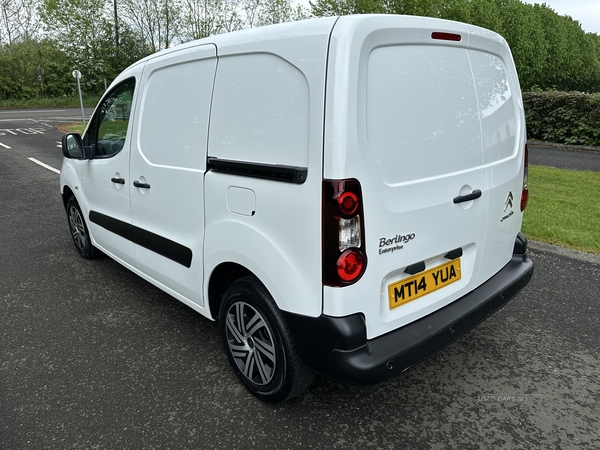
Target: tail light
(344, 254)
(525, 191)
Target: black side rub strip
(116, 226)
(275, 172)
(153, 242)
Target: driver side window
(108, 130)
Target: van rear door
(405, 118)
(503, 144)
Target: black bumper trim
(337, 346)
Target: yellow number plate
(423, 283)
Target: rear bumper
(337, 346)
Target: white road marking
(28, 111)
(47, 119)
(30, 130)
(13, 131)
(3, 145)
(40, 122)
(44, 165)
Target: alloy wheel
(77, 228)
(251, 343)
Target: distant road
(53, 116)
(38, 121)
(565, 159)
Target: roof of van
(249, 40)
(255, 35)
(311, 27)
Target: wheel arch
(69, 180)
(220, 279)
(66, 194)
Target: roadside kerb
(566, 252)
(575, 148)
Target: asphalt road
(92, 356)
(33, 133)
(565, 159)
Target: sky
(586, 12)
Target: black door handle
(466, 198)
(137, 184)
(117, 180)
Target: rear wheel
(79, 230)
(259, 345)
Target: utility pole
(116, 24)
(77, 75)
(40, 71)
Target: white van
(345, 194)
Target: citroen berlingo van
(343, 194)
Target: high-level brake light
(446, 36)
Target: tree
(485, 13)
(83, 30)
(524, 32)
(202, 18)
(34, 69)
(275, 11)
(550, 51)
(322, 8)
(157, 21)
(18, 21)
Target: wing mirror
(73, 148)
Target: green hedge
(563, 117)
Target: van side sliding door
(168, 161)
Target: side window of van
(108, 130)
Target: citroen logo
(509, 201)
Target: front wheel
(79, 230)
(259, 345)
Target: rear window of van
(435, 110)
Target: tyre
(79, 230)
(259, 345)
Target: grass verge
(564, 208)
(74, 128)
(61, 102)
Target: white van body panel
(268, 108)
(405, 115)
